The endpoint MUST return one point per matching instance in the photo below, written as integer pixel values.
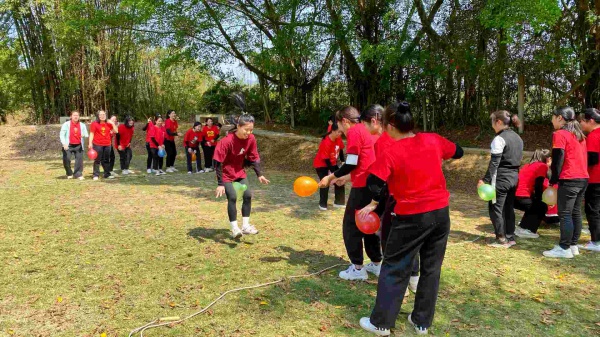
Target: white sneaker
(413, 283)
(114, 174)
(157, 173)
(574, 250)
(236, 232)
(321, 208)
(593, 246)
(149, 171)
(249, 230)
(169, 170)
(81, 178)
(339, 206)
(559, 253)
(189, 172)
(585, 231)
(418, 329)
(373, 268)
(201, 171)
(174, 169)
(69, 177)
(525, 233)
(353, 274)
(95, 178)
(125, 172)
(161, 172)
(208, 169)
(111, 177)
(365, 323)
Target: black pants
(502, 213)
(157, 161)
(209, 152)
(570, 197)
(353, 237)
(188, 156)
(77, 152)
(535, 211)
(111, 163)
(150, 156)
(340, 191)
(592, 210)
(386, 225)
(171, 150)
(231, 195)
(125, 158)
(427, 234)
(103, 158)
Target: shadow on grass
(315, 260)
(220, 236)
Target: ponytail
(241, 120)
(540, 155)
(372, 111)
(334, 127)
(506, 118)
(571, 124)
(348, 112)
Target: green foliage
(513, 14)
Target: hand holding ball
(368, 224)
(161, 153)
(92, 154)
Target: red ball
(368, 224)
(92, 154)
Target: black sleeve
(145, 127)
(344, 170)
(492, 168)
(459, 152)
(117, 139)
(154, 141)
(331, 167)
(593, 158)
(383, 197)
(217, 137)
(342, 157)
(171, 133)
(256, 167)
(558, 159)
(218, 166)
(538, 188)
(375, 185)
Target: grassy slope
(159, 246)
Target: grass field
(92, 258)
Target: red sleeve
(558, 140)
(122, 132)
(168, 124)
(448, 148)
(252, 154)
(353, 140)
(382, 168)
(221, 151)
(93, 127)
(593, 143)
(151, 131)
(322, 152)
(186, 137)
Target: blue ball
(161, 153)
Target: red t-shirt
(360, 143)
(527, 176)
(192, 138)
(231, 152)
(75, 133)
(413, 172)
(158, 133)
(593, 145)
(575, 164)
(150, 126)
(328, 149)
(125, 136)
(102, 133)
(172, 126)
(382, 143)
(210, 133)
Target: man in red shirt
(72, 134)
(100, 140)
(123, 144)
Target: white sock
(245, 221)
(233, 225)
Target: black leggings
(150, 156)
(188, 157)
(592, 210)
(103, 158)
(157, 161)
(535, 211)
(340, 191)
(570, 197)
(125, 157)
(209, 152)
(353, 237)
(231, 195)
(502, 212)
(171, 150)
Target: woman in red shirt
(191, 143)
(532, 182)
(569, 170)
(100, 140)
(123, 144)
(361, 155)
(171, 127)
(148, 127)
(591, 125)
(412, 169)
(236, 150)
(330, 149)
(210, 133)
(157, 142)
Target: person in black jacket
(503, 174)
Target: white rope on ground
(176, 320)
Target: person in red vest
(100, 140)
(210, 135)
(171, 127)
(191, 143)
(123, 144)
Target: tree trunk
(521, 103)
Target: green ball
(486, 192)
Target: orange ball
(305, 186)
(194, 156)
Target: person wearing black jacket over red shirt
(236, 150)
(361, 154)
(569, 170)
(412, 169)
(171, 127)
(528, 197)
(191, 143)
(591, 125)
(149, 125)
(157, 142)
(503, 175)
(330, 149)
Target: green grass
(86, 258)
